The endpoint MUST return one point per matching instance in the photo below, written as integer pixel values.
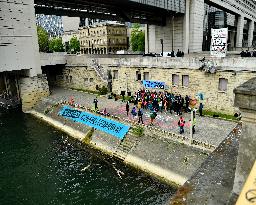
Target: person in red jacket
(181, 124)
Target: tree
(74, 45)
(43, 39)
(55, 45)
(137, 38)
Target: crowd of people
(161, 102)
(248, 53)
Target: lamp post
(126, 83)
(162, 43)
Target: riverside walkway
(210, 130)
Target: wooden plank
(248, 194)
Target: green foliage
(219, 114)
(43, 39)
(74, 45)
(138, 130)
(103, 90)
(137, 38)
(86, 90)
(88, 136)
(55, 45)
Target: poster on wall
(219, 42)
(153, 84)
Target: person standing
(95, 101)
(160, 104)
(187, 102)
(139, 104)
(201, 109)
(140, 114)
(181, 124)
(152, 117)
(134, 113)
(127, 108)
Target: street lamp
(162, 43)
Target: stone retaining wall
(32, 90)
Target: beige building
(103, 38)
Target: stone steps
(129, 142)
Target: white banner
(219, 42)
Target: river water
(40, 165)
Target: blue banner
(106, 125)
(153, 84)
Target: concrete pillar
(196, 25)
(146, 39)
(240, 32)
(250, 33)
(232, 39)
(152, 38)
(186, 28)
(245, 99)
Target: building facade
(51, 23)
(103, 39)
(191, 31)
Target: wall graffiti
(153, 84)
(106, 125)
(219, 42)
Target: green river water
(40, 165)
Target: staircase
(100, 71)
(129, 142)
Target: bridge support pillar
(32, 89)
(240, 32)
(186, 28)
(196, 25)
(250, 33)
(245, 99)
(172, 35)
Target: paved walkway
(210, 130)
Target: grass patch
(88, 136)
(86, 90)
(220, 115)
(138, 131)
(50, 108)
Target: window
(115, 74)
(86, 80)
(91, 79)
(70, 79)
(185, 80)
(175, 79)
(223, 84)
(138, 75)
(146, 76)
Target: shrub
(138, 130)
(103, 90)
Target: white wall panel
(18, 37)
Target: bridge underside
(125, 10)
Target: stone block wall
(32, 90)
(199, 82)
(245, 99)
(80, 77)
